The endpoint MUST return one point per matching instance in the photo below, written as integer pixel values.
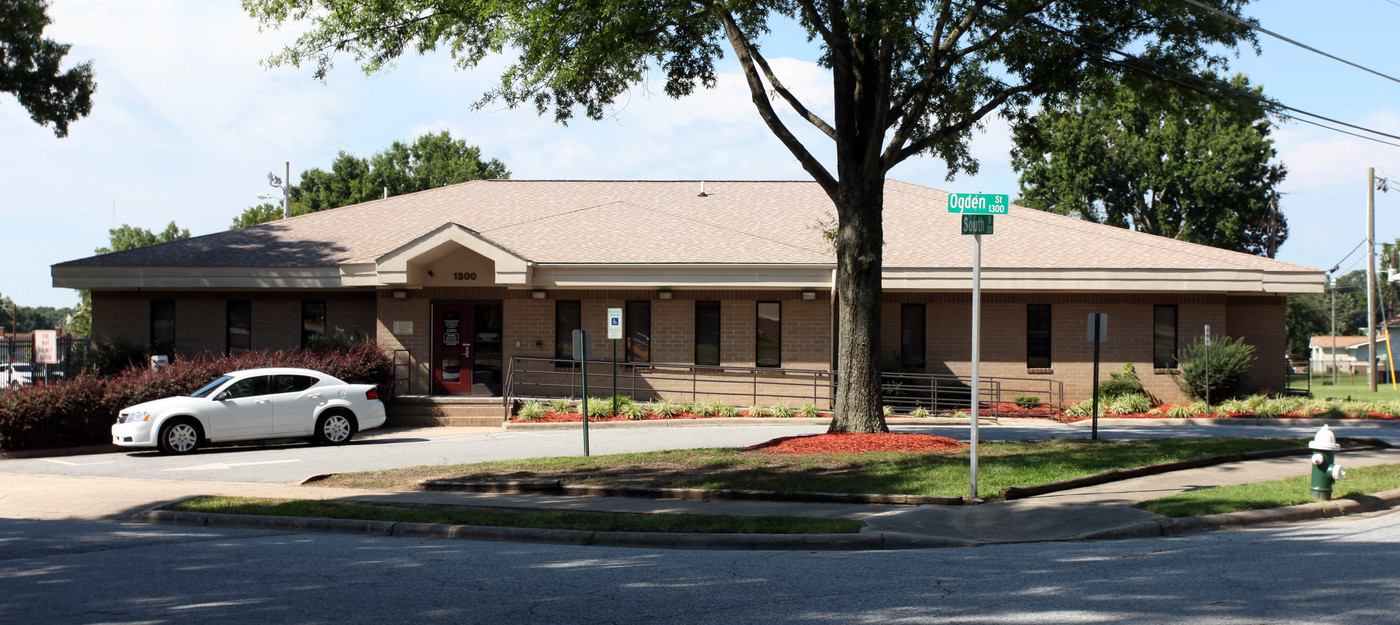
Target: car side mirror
(221, 396)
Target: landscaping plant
(1229, 360)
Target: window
(247, 387)
(911, 337)
(240, 326)
(567, 316)
(163, 327)
(313, 321)
(707, 333)
(769, 338)
(637, 318)
(1164, 336)
(1037, 336)
(291, 383)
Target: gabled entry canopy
(450, 255)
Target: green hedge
(82, 410)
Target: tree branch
(894, 155)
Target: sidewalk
(1102, 511)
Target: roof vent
(702, 190)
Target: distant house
(464, 281)
(1336, 353)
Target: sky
(187, 122)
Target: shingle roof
(668, 222)
(1335, 341)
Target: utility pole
(1332, 278)
(1371, 275)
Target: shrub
(1084, 410)
(1120, 383)
(1129, 404)
(82, 410)
(1180, 411)
(757, 411)
(920, 412)
(810, 411)
(632, 410)
(721, 409)
(690, 407)
(599, 407)
(1230, 359)
(530, 411)
(561, 406)
(887, 410)
(663, 408)
(782, 411)
(1028, 401)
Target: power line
(1253, 26)
(1253, 98)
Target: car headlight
(133, 417)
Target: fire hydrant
(1325, 470)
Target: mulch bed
(857, 443)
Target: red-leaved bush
(81, 411)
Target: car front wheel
(180, 436)
(335, 428)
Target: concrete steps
(455, 411)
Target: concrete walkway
(1102, 511)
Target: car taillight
(372, 393)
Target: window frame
(1040, 338)
(563, 336)
(714, 311)
(306, 320)
(759, 334)
(909, 348)
(631, 329)
(244, 334)
(163, 339)
(1171, 362)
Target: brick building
(460, 281)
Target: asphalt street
(1344, 572)
(380, 449)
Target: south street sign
(976, 224)
(978, 203)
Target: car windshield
(209, 388)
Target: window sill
(1166, 371)
(1040, 371)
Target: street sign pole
(614, 333)
(976, 351)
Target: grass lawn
(1274, 494)
(1000, 465)
(532, 518)
(1353, 386)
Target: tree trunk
(859, 243)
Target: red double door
(466, 348)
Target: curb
(721, 421)
(556, 487)
(1363, 423)
(1247, 518)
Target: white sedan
(256, 404)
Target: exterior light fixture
(663, 295)
(400, 294)
(537, 294)
(809, 295)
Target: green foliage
(29, 68)
(1085, 410)
(337, 339)
(531, 410)
(689, 407)
(920, 413)
(1120, 383)
(599, 407)
(632, 410)
(1027, 401)
(782, 411)
(1129, 404)
(809, 411)
(129, 237)
(920, 78)
(431, 161)
(721, 409)
(561, 406)
(1174, 163)
(757, 411)
(113, 357)
(663, 408)
(1230, 359)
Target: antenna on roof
(702, 190)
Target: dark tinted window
(707, 333)
(567, 318)
(313, 320)
(1038, 336)
(163, 327)
(770, 335)
(911, 337)
(291, 383)
(240, 326)
(1164, 336)
(637, 319)
(248, 387)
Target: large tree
(29, 67)
(1175, 163)
(908, 78)
(431, 161)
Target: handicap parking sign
(614, 323)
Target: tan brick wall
(276, 323)
(1260, 322)
(201, 326)
(416, 311)
(115, 320)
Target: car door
(294, 402)
(241, 410)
